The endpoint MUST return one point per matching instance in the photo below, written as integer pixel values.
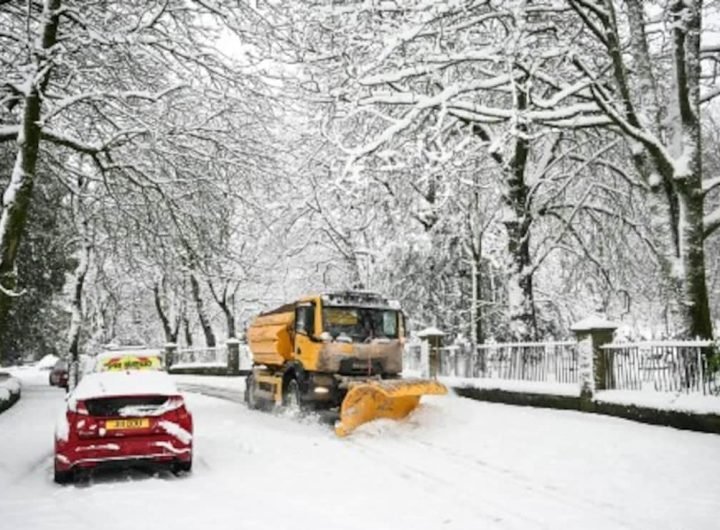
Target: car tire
(182, 467)
(63, 477)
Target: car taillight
(81, 408)
(174, 403)
(78, 407)
(181, 414)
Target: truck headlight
(321, 390)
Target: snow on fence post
(170, 352)
(432, 342)
(233, 356)
(593, 366)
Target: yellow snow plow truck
(334, 350)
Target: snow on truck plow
(334, 350)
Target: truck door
(304, 331)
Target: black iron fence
(672, 366)
(525, 361)
(668, 366)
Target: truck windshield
(360, 324)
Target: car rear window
(128, 361)
(126, 406)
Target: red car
(59, 374)
(121, 419)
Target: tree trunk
(17, 195)
(517, 223)
(186, 331)
(202, 316)
(477, 332)
(77, 315)
(169, 338)
(226, 302)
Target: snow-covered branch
(709, 185)
(711, 222)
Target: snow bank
(9, 390)
(29, 375)
(217, 381)
(696, 403)
(47, 362)
(510, 385)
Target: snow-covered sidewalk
(670, 401)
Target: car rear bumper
(90, 453)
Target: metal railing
(202, 356)
(218, 356)
(672, 366)
(526, 361)
(529, 361)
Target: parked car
(59, 374)
(123, 419)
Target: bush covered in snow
(9, 391)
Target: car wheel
(291, 398)
(63, 477)
(182, 467)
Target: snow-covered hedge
(9, 391)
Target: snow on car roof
(126, 383)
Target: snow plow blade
(393, 399)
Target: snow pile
(29, 374)
(9, 388)
(47, 362)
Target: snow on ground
(30, 374)
(215, 381)
(455, 464)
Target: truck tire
(250, 396)
(291, 396)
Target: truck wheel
(250, 396)
(291, 398)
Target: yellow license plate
(135, 423)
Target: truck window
(305, 319)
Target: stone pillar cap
(594, 322)
(430, 332)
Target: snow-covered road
(454, 464)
